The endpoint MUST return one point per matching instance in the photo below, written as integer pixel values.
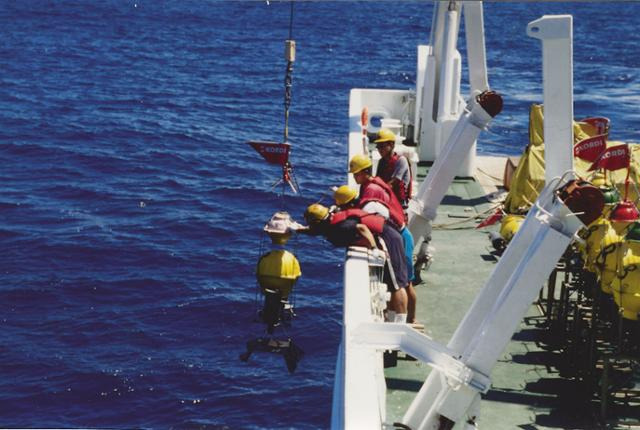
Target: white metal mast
(556, 34)
(447, 126)
(439, 104)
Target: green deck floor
(526, 392)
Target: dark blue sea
(131, 207)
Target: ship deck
(527, 389)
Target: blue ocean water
(131, 207)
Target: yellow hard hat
(358, 163)
(315, 213)
(385, 135)
(344, 195)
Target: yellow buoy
(595, 232)
(610, 249)
(593, 241)
(278, 270)
(626, 286)
(510, 225)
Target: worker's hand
(299, 228)
(295, 226)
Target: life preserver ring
(375, 119)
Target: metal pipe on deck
(423, 207)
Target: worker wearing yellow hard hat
(316, 213)
(355, 227)
(376, 196)
(385, 135)
(393, 168)
(358, 163)
(375, 189)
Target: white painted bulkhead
(384, 107)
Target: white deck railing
(360, 390)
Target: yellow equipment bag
(528, 179)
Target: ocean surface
(131, 207)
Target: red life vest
(385, 171)
(396, 214)
(374, 222)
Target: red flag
(589, 149)
(600, 123)
(273, 152)
(491, 219)
(614, 158)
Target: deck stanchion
(604, 389)
(551, 291)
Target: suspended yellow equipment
(278, 270)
